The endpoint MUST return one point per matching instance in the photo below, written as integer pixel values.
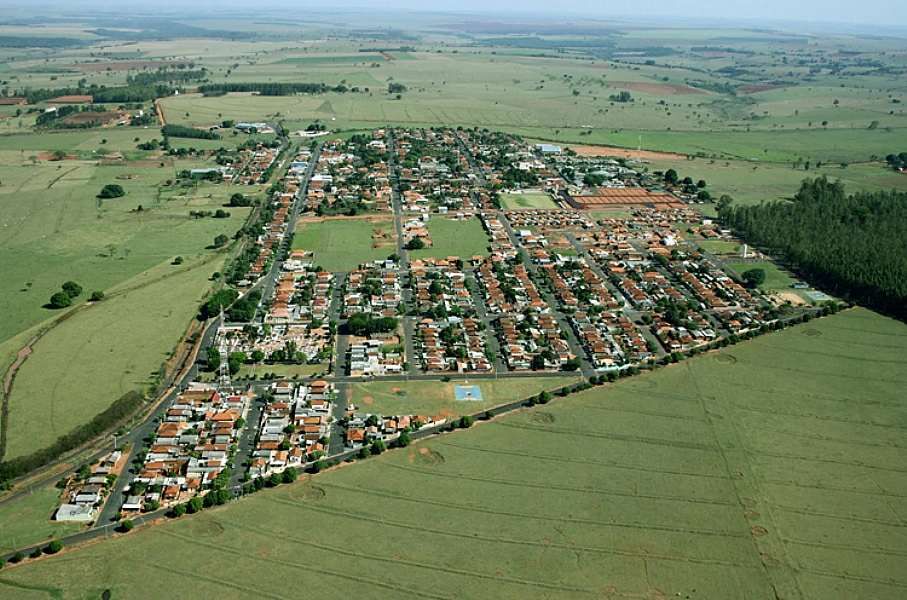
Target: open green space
(437, 398)
(343, 244)
(333, 59)
(775, 277)
(522, 201)
(461, 238)
(81, 366)
(28, 521)
(719, 246)
(694, 479)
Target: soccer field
(343, 244)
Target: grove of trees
(853, 245)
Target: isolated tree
(178, 260)
(112, 190)
(544, 397)
(59, 154)
(127, 526)
(754, 277)
(60, 300)
(415, 244)
(700, 184)
(466, 422)
(221, 241)
(96, 296)
(54, 547)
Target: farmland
(434, 398)
(463, 238)
(677, 481)
(343, 244)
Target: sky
(886, 13)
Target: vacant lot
(454, 238)
(719, 247)
(520, 201)
(434, 398)
(775, 277)
(28, 521)
(690, 480)
(343, 244)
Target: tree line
(101, 94)
(851, 244)
(271, 89)
(181, 131)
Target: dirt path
(621, 152)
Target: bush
(72, 289)
(127, 526)
(96, 296)
(17, 557)
(112, 190)
(54, 547)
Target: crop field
(88, 361)
(689, 480)
(28, 521)
(521, 201)
(463, 239)
(775, 277)
(343, 244)
(434, 398)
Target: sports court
(468, 392)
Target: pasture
(28, 521)
(690, 480)
(103, 351)
(461, 238)
(342, 244)
(437, 398)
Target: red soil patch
(753, 89)
(368, 400)
(395, 389)
(388, 57)
(621, 152)
(90, 117)
(70, 99)
(127, 64)
(49, 156)
(670, 89)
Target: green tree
(754, 277)
(671, 177)
(112, 190)
(195, 505)
(466, 422)
(258, 356)
(72, 289)
(60, 300)
(378, 447)
(544, 397)
(275, 479)
(96, 296)
(415, 244)
(221, 241)
(54, 547)
(290, 474)
(127, 526)
(213, 359)
(179, 510)
(404, 440)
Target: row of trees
(271, 89)
(180, 131)
(851, 244)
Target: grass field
(433, 397)
(719, 247)
(741, 474)
(344, 244)
(85, 363)
(454, 238)
(775, 277)
(522, 201)
(28, 521)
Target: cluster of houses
(270, 239)
(374, 290)
(363, 429)
(434, 174)
(194, 443)
(503, 160)
(351, 173)
(251, 165)
(533, 342)
(85, 494)
(547, 220)
(294, 427)
(449, 335)
(609, 338)
(301, 294)
(502, 247)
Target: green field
(522, 201)
(740, 474)
(775, 277)
(344, 244)
(719, 247)
(28, 521)
(433, 397)
(85, 363)
(454, 238)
